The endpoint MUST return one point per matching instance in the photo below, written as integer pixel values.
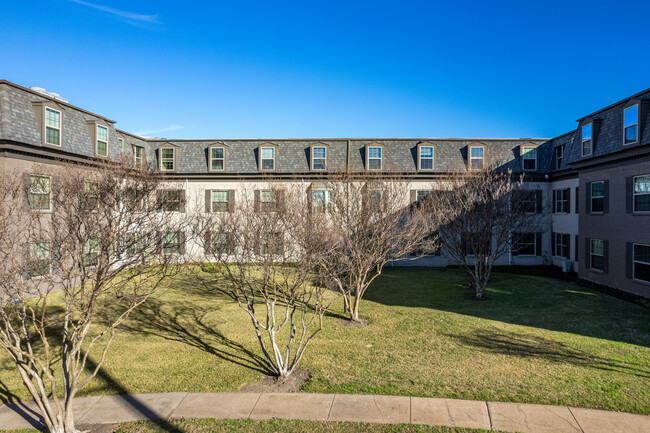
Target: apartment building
(584, 180)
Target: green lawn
(537, 340)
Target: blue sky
(243, 69)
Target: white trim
(222, 159)
(432, 157)
(482, 158)
(591, 254)
(634, 194)
(381, 158)
(634, 261)
(534, 243)
(591, 197)
(273, 148)
(162, 159)
(312, 155)
(212, 201)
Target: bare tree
(80, 248)
(262, 251)
(482, 215)
(372, 223)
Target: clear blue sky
(331, 68)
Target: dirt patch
(354, 324)
(293, 383)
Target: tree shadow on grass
(538, 302)
(185, 322)
(529, 346)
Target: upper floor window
(597, 254)
(91, 191)
(267, 158)
(167, 159)
(559, 154)
(598, 196)
(586, 140)
(529, 158)
(426, 157)
(374, 158)
(320, 200)
(631, 124)
(641, 262)
(219, 201)
(476, 156)
(173, 200)
(52, 126)
(268, 201)
(529, 200)
(318, 158)
(121, 143)
(138, 155)
(641, 193)
(39, 192)
(102, 140)
(217, 158)
(39, 259)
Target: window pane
(268, 164)
(52, 136)
(217, 164)
(52, 118)
(586, 132)
(374, 164)
(597, 262)
(102, 133)
(642, 185)
(217, 152)
(39, 185)
(422, 194)
(597, 247)
(39, 250)
(630, 134)
(631, 115)
(476, 152)
(642, 253)
(320, 200)
(101, 147)
(167, 153)
(597, 189)
(642, 203)
(319, 164)
(426, 152)
(268, 153)
(319, 152)
(374, 152)
(219, 195)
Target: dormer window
(587, 142)
(631, 124)
(52, 126)
(217, 158)
(374, 159)
(267, 158)
(559, 154)
(425, 157)
(319, 158)
(121, 143)
(529, 158)
(138, 155)
(167, 159)
(102, 140)
(476, 157)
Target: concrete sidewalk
(512, 417)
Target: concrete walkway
(512, 417)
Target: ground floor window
(39, 259)
(91, 252)
(641, 263)
(597, 253)
(526, 244)
(561, 245)
(172, 243)
(430, 246)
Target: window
(121, 143)
(372, 199)
(561, 200)
(374, 158)
(422, 194)
(219, 201)
(268, 158)
(641, 193)
(167, 160)
(586, 140)
(39, 259)
(102, 140)
(426, 157)
(52, 126)
(219, 243)
(39, 192)
(526, 244)
(271, 243)
(217, 158)
(318, 158)
(172, 243)
(138, 154)
(597, 254)
(529, 158)
(476, 154)
(561, 241)
(429, 246)
(631, 124)
(527, 199)
(597, 197)
(91, 252)
(320, 200)
(641, 263)
(172, 200)
(91, 191)
(268, 201)
(559, 154)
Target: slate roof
(19, 124)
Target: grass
(536, 340)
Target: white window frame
(53, 127)
(591, 196)
(635, 194)
(121, 143)
(222, 159)
(561, 245)
(523, 157)
(559, 155)
(48, 193)
(432, 158)
(634, 261)
(592, 254)
(262, 159)
(213, 201)
(584, 140)
(472, 158)
(97, 140)
(163, 159)
(326, 205)
(91, 247)
(534, 244)
(138, 160)
(177, 246)
(380, 159)
(564, 200)
(323, 158)
(47, 257)
(635, 125)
